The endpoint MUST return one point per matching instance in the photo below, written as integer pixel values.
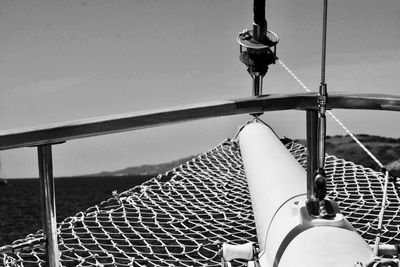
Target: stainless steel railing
(44, 137)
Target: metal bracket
(257, 55)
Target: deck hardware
(247, 251)
(258, 47)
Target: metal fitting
(322, 98)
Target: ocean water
(20, 204)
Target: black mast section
(260, 23)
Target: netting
(181, 218)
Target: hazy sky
(67, 60)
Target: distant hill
(386, 149)
(146, 169)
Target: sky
(77, 59)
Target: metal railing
(45, 136)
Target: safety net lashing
(181, 218)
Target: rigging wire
(324, 27)
(363, 147)
(369, 153)
(322, 99)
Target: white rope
(333, 116)
(356, 140)
(294, 75)
(381, 214)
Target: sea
(20, 204)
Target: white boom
(288, 236)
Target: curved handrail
(61, 132)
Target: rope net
(182, 217)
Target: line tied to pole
(333, 116)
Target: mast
(258, 47)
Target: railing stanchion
(312, 127)
(48, 204)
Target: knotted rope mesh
(180, 218)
